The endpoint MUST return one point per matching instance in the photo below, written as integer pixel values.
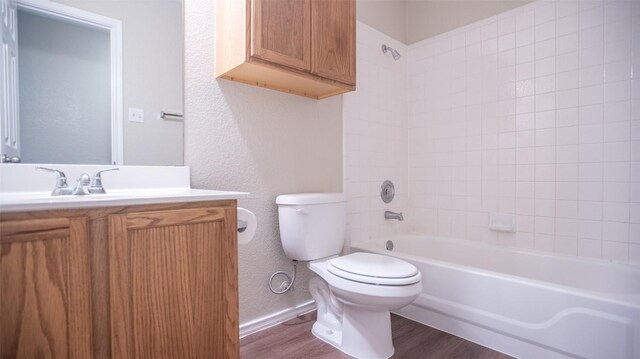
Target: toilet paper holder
(242, 225)
(246, 224)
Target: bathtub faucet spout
(393, 215)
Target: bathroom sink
(22, 188)
(34, 201)
(42, 197)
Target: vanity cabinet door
(173, 283)
(281, 32)
(45, 308)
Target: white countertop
(40, 201)
(23, 188)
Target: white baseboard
(270, 320)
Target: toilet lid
(374, 269)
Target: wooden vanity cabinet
(45, 296)
(303, 47)
(172, 276)
(122, 282)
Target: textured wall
(534, 112)
(239, 137)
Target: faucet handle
(96, 182)
(60, 173)
(62, 187)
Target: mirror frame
(114, 28)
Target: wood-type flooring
(412, 340)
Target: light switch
(136, 115)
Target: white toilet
(354, 293)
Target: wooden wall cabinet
(125, 282)
(304, 47)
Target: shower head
(394, 53)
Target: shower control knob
(387, 192)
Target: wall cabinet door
(333, 40)
(281, 32)
(173, 289)
(302, 47)
(45, 292)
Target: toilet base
(355, 330)
(326, 334)
(364, 334)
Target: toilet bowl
(354, 312)
(354, 293)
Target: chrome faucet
(393, 215)
(83, 186)
(96, 183)
(62, 187)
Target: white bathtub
(523, 303)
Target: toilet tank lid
(310, 198)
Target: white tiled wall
(375, 136)
(534, 112)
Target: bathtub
(522, 303)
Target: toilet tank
(312, 225)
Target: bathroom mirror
(94, 77)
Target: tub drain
(389, 245)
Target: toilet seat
(376, 269)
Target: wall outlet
(136, 115)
